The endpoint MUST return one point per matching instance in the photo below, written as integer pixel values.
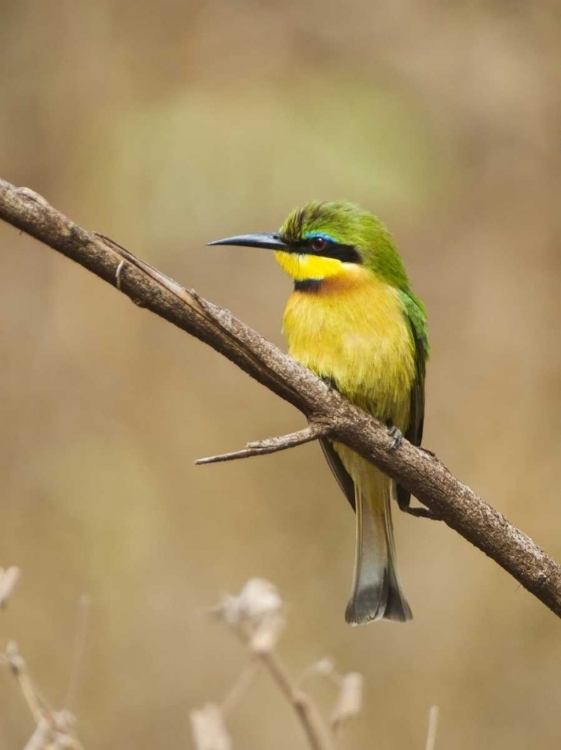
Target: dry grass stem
(54, 729)
(349, 701)
(18, 668)
(318, 733)
(433, 727)
(41, 738)
(80, 640)
(8, 581)
(241, 687)
(209, 730)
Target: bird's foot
(329, 382)
(397, 437)
(418, 512)
(430, 453)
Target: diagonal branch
(428, 479)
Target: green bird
(353, 320)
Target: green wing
(341, 474)
(417, 319)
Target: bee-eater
(354, 321)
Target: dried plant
(54, 730)
(258, 617)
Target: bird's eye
(318, 244)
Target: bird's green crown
(345, 225)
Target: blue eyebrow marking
(321, 235)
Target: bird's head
(327, 240)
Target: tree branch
(428, 479)
(311, 432)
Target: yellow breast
(353, 330)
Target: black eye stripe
(344, 253)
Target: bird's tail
(376, 593)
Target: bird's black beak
(267, 240)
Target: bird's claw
(420, 512)
(329, 382)
(397, 437)
(430, 453)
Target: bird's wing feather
(341, 474)
(416, 317)
(414, 433)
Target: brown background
(166, 125)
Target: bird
(353, 320)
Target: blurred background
(166, 125)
